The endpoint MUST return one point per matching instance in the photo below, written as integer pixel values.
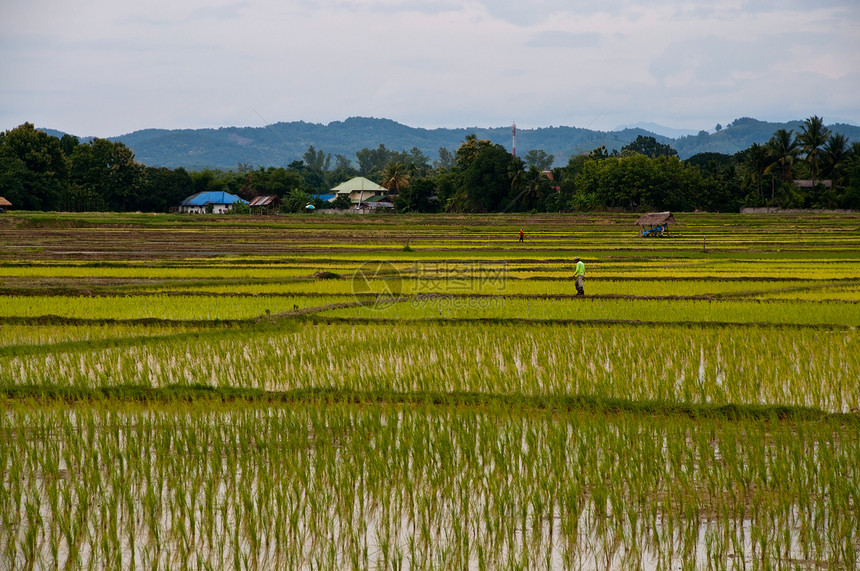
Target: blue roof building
(214, 202)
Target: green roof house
(359, 189)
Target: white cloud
(104, 68)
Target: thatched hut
(656, 223)
(4, 204)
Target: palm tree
(534, 183)
(395, 177)
(516, 174)
(755, 163)
(836, 157)
(783, 148)
(529, 183)
(812, 136)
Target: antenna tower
(514, 130)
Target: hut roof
(656, 218)
(266, 200)
(4, 203)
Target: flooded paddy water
(220, 393)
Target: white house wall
(216, 209)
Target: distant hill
(743, 132)
(283, 143)
(658, 129)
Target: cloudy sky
(107, 67)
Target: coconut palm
(836, 155)
(535, 182)
(530, 184)
(395, 177)
(782, 147)
(755, 162)
(516, 174)
(812, 136)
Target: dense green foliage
(42, 172)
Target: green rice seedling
(718, 366)
(130, 270)
(538, 432)
(597, 309)
(156, 307)
(20, 336)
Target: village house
(360, 190)
(374, 203)
(212, 202)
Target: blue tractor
(656, 231)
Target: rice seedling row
(157, 306)
(380, 487)
(782, 366)
(608, 308)
(496, 285)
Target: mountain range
(282, 143)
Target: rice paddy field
(424, 392)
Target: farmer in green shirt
(579, 274)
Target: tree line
(42, 172)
